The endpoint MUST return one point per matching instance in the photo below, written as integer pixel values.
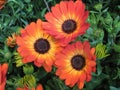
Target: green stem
(47, 5)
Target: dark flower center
(69, 26)
(78, 62)
(41, 46)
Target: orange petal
(63, 7)
(92, 50)
(79, 45)
(82, 77)
(47, 67)
(24, 60)
(39, 87)
(92, 63)
(4, 68)
(38, 62)
(85, 27)
(81, 85)
(86, 13)
(55, 9)
(19, 41)
(88, 78)
(39, 25)
(79, 8)
(71, 8)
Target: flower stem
(47, 5)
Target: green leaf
(108, 19)
(98, 6)
(47, 87)
(28, 69)
(114, 88)
(41, 73)
(105, 10)
(99, 68)
(95, 82)
(101, 51)
(116, 47)
(116, 20)
(57, 84)
(28, 80)
(18, 59)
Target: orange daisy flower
(39, 87)
(76, 63)
(2, 2)
(38, 46)
(3, 71)
(67, 20)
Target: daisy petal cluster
(3, 72)
(67, 20)
(35, 45)
(76, 63)
(52, 43)
(59, 44)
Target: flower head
(3, 71)
(34, 44)
(66, 21)
(2, 2)
(11, 40)
(76, 63)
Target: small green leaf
(99, 68)
(27, 80)
(101, 51)
(105, 10)
(98, 6)
(18, 59)
(28, 69)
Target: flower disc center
(78, 62)
(69, 26)
(41, 46)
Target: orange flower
(3, 71)
(76, 63)
(38, 46)
(39, 87)
(11, 41)
(2, 2)
(66, 21)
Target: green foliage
(27, 80)
(104, 34)
(18, 59)
(101, 51)
(28, 69)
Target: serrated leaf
(28, 69)
(101, 51)
(28, 80)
